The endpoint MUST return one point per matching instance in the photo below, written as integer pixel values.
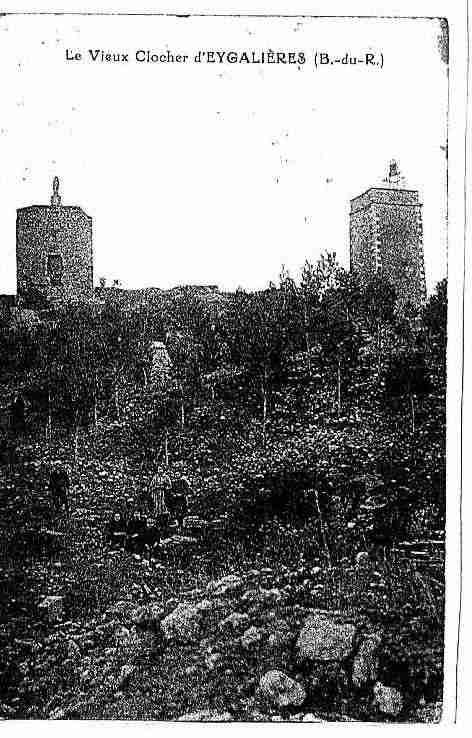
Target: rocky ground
(244, 646)
(290, 621)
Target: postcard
(230, 359)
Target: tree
(407, 377)
(185, 354)
(293, 314)
(71, 359)
(316, 280)
(339, 333)
(260, 341)
(435, 323)
(378, 303)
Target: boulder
(325, 637)
(280, 690)
(365, 665)
(183, 624)
(388, 699)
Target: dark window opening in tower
(55, 269)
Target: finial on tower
(393, 171)
(55, 198)
(394, 177)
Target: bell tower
(386, 236)
(54, 254)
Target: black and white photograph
(226, 379)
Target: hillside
(314, 548)
(305, 579)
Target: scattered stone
(207, 716)
(122, 609)
(310, 718)
(281, 690)
(205, 606)
(126, 673)
(365, 666)
(251, 637)
(257, 716)
(195, 593)
(212, 660)
(325, 637)
(429, 713)
(148, 617)
(105, 630)
(251, 596)
(53, 607)
(388, 699)
(121, 635)
(177, 542)
(280, 635)
(326, 677)
(236, 622)
(183, 624)
(362, 560)
(73, 651)
(226, 585)
(57, 714)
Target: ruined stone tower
(386, 237)
(54, 250)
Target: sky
(218, 173)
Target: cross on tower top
(55, 197)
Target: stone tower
(54, 254)
(386, 237)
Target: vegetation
(310, 421)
